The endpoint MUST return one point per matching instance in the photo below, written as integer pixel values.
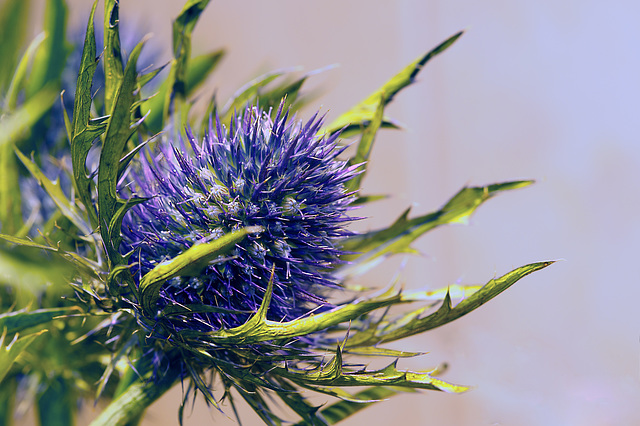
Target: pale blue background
(546, 90)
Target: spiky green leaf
(9, 351)
(112, 55)
(190, 262)
(18, 321)
(387, 376)
(292, 396)
(200, 67)
(111, 209)
(393, 330)
(259, 329)
(371, 247)
(83, 132)
(136, 399)
(365, 146)
(177, 80)
(359, 116)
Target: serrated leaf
(363, 151)
(177, 80)
(111, 209)
(14, 19)
(10, 351)
(259, 329)
(54, 191)
(16, 322)
(82, 132)
(200, 67)
(455, 291)
(51, 57)
(188, 263)
(378, 352)
(144, 79)
(446, 313)
(25, 242)
(136, 398)
(84, 266)
(371, 247)
(360, 115)
(388, 376)
(124, 161)
(112, 55)
(108, 371)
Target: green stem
(129, 407)
(57, 405)
(128, 378)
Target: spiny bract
(276, 174)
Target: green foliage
(56, 405)
(10, 351)
(54, 191)
(83, 130)
(18, 321)
(112, 209)
(199, 69)
(18, 122)
(50, 59)
(183, 27)
(14, 17)
(112, 55)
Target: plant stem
(130, 405)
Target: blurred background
(545, 90)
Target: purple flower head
(277, 174)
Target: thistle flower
(276, 175)
(216, 258)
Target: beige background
(546, 90)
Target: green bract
(125, 283)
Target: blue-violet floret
(278, 174)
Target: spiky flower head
(276, 176)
